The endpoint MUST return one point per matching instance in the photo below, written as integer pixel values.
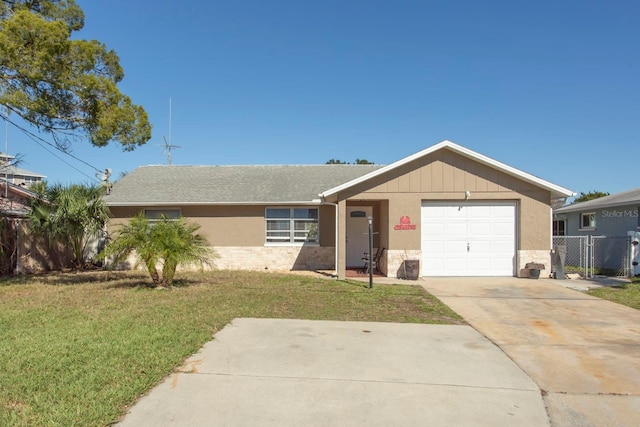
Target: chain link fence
(577, 251)
(594, 255)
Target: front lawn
(76, 349)
(628, 294)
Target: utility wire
(37, 139)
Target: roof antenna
(167, 144)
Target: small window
(588, 220)
(156, 214)
(559, 227)
(291, 225)
(30, 180)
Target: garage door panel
(453, 230)
(455, 266)
(480, 229)
(480, 246)
(439, 212)
(504, 211)
(481, 266)
(468, 239)
(479, 212)
(502, 247)
(454, 247)
(503, 229)
(434, 229)
(434, 247)
(455, 213)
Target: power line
(37, 139)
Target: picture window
(291, 225)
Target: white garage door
(468, 239)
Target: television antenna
(168, 146)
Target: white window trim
(590, 228)
(289, 242)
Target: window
(588, 220)
(559, 227)
(30, 180)
(156, 214)
(291, 225)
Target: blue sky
(549, 87)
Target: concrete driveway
(277, 372)
(583, 352)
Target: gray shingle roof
(16, 171)
(628, 197)
(174, 185)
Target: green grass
(628, 294)
(76, 349)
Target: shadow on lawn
(112, 279)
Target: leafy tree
(363, 162)
(341, 162)
(166, 242)
(65, 87)
(72, 215)
(583, 197)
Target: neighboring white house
(609, 225)
(15, 175)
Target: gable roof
(16, 203)
(205, 185)
(16, 171)
(556, 190)
(629, 197)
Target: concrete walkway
(275, 372)
(583, 352)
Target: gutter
(314, 202)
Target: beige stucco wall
(231, 225)
(446, 176)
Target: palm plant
(71, 215)
(166, 242)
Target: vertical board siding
(448, 173)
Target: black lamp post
(370, 252)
